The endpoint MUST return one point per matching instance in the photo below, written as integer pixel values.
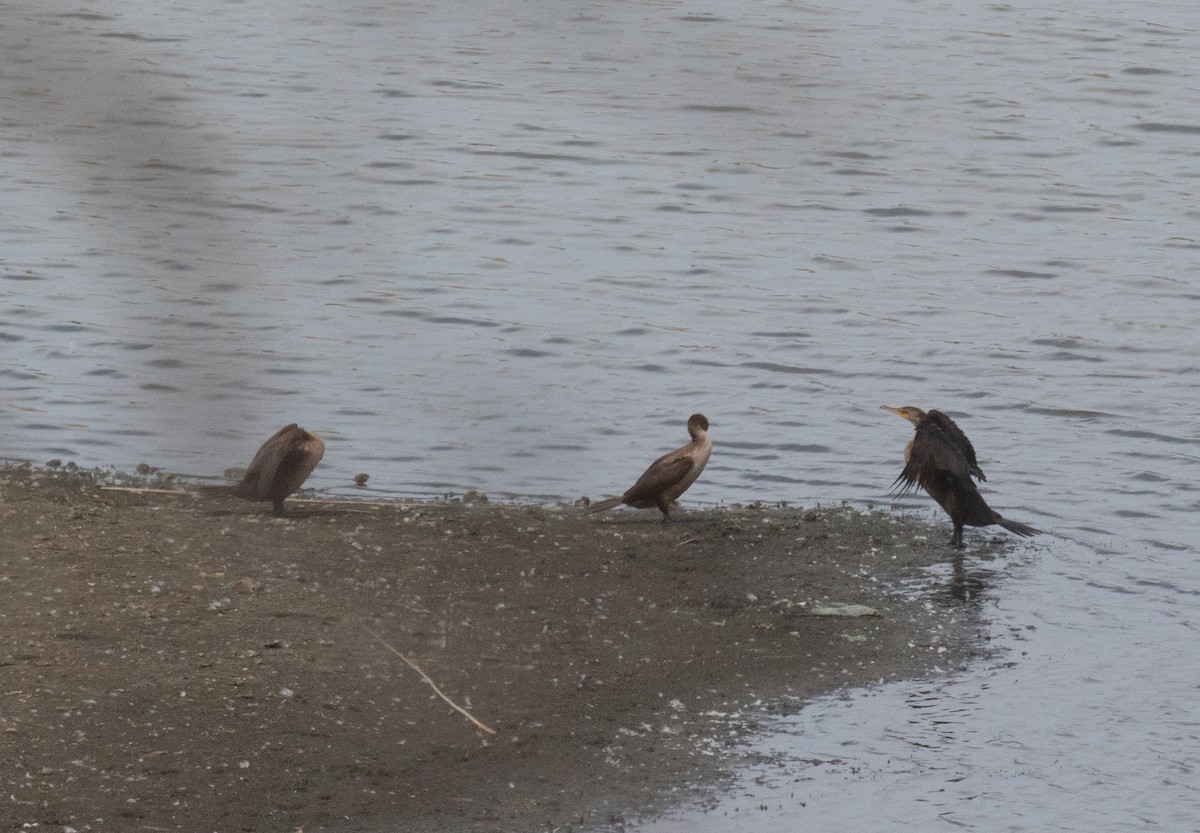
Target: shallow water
(512, 249)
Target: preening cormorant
(281, 466)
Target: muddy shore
(188, 662)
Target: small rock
(844, 610)
(247, 585)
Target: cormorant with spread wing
(669, 476)
(941, 460)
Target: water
(511, 248)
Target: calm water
(511, 246)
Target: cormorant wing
(958, 438)
(935, 454)
(266, 462)
(663, 473)
(299, 463)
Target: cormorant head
(909, 412)
(697, 423)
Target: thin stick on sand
(146, 490)
(382, 504)
(426, 678)
(335, 502)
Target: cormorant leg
(666, 510)
(956, 539)
(278, 508)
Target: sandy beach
(178, 661)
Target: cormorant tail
(1018, 528)
(604, 504)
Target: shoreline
(186, 661)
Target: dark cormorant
(941, 460)
(669, 476)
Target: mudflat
(177, 661)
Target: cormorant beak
(897, 411)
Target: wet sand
(188, 662)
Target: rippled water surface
(511, 246)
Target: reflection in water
(966, 587)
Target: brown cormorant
(669, 476)
(281, 466)
(941, 460)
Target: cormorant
(281, 466)
(941, 460)
(669, 476)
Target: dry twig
(381, 504)
(426, 678)
(147, 490)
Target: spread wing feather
(956, 436)
(934, 458)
